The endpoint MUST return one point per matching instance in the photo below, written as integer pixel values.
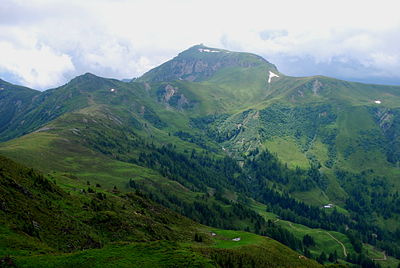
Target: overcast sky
(44, 44)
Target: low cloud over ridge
(45, 43)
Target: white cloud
(125, 38)
(37, 66)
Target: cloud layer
(45, 43)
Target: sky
(44, 44)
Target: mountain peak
(203, 49)
(87, 82)
(85, 78)
(199, 63)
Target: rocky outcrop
(389, 123)
(172, 97)
(197, 70)
(384, 118)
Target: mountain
(227, 140)
(200, 63)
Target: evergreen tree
(322, 258)
(308, 241)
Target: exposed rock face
(196, 70)
(311, 88)
(169, 91)
(171, 97)
(389, 122)
(384, 118)
(316, 87)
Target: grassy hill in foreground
(42, 225)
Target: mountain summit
(199, 63)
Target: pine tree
(322, 258)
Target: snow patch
(271, 75)
(208, 50)
(378, 102)
(112, 89)
(1, 88)
(236, 239)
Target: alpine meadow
(214, 158)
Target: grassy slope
(54, 154)
(15, 102)
(150, 254)
(251, 244)
(349, 101)
(262, 251)
(129, 230)
(324, 242)
(63, 151)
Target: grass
(313, 197)
(260, 251)
(288, 151)
(58, 153)
(75, 167)
(150, 254)
(262, 210)
(130, 230)
(373, 253)
(171, 254)
(324, 242)
(12, 243)
(133, 231)
(223, 238)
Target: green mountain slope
(209, 133)
(40, 221)
(15, 102)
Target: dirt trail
(343, 246)
(334, 238)
(384, 258)
(381, 259)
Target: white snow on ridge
(271, 75)
(208, 50)
(378, 102)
